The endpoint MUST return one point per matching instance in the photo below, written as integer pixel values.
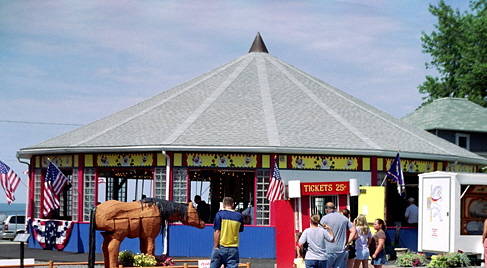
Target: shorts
(380, 260)
(362, 254)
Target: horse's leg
(150, 245)
(147, 245)
(111, 247)
(143, 245)
(104, 248)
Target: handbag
(352, 252)
(372, 246)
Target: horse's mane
(168, 208)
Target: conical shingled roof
(255, 103)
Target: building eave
(27, 154)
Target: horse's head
(193, 218)
(174, 212)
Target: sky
(64, 64)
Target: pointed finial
(258, 45)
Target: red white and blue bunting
(52, 234)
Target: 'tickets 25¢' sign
(325, 188)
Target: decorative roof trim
(258, 45)
(27, 154)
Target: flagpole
(385, 177)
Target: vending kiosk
(452, 210)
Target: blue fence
(185, 241)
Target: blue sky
(64, 64)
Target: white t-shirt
(412, 213)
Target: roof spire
(258, 45)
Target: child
(362, 242)
(299, 260)
(379, 238)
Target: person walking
(316, 236)
(228, 225)
(335, 252)
(362, 243)
(378, 240)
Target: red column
(284, 224)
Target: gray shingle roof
(255, 103)
(450, 114)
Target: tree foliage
(458, 48)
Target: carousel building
(218, 135)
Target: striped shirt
(230, 223)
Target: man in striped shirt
(227, 224)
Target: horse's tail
(92, 243)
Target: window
(462, 140)
(474, 209)
(317, 203)
(160, 183)
(88, 193)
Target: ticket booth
(311, 197)
(452, 210)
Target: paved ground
(12, 250)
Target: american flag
(9, 181)
(276, 187)
(395, 173)
(53, 185)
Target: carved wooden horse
(142, 219)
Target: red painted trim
(81, 175)
(373, 171)
(170, 167)
(188, 186)
(342, 201)
(31, 185)
(305, 217)
(289, 161)
(254, 201)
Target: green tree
(458, 48)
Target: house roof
(256, 103)
(450, 114)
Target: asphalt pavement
(12, 250)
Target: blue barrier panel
(407, 238)
(184, 241)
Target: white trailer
(452, 210)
